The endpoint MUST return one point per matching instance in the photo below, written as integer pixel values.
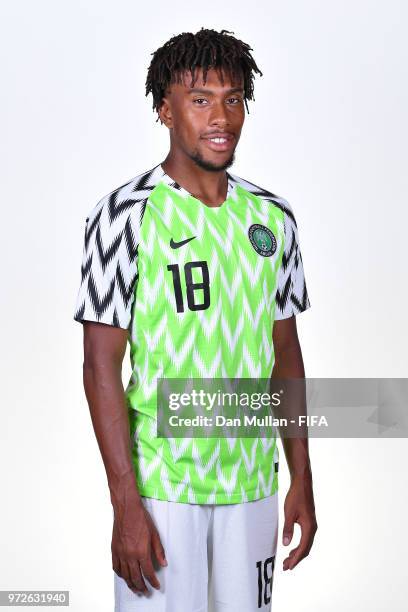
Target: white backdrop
(328, 132)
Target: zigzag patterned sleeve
(109, 262)
(291, 296)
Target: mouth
(220, 142)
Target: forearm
(106, 400)
(289, 364)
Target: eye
(198, 100)
(237, 100)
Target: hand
(134, 538)
(299, 508)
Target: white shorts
(220, 558)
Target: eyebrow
(193, 90)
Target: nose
(218, 115)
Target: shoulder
(266, 195)
(109, 264)
(115, 208)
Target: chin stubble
(209, 166)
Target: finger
(147, 568)
(124, 572)
(302, 550)
(158, 548)
(288, 530)
(136, 581)
(297, 554)
(116, 564)
(287, 562)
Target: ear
(165, 113)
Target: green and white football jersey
(198, 289)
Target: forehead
(212, 80)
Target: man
(201, 271)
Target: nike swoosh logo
(177, 245)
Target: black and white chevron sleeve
(109, 264)
(291, 295)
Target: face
(199, 116)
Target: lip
(215, 146)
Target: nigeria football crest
(262, 239)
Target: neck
(210, 187)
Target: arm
(134, 536)
(108, 286)
(299, 502)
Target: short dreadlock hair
(205, 49)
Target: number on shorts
(265, 579)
